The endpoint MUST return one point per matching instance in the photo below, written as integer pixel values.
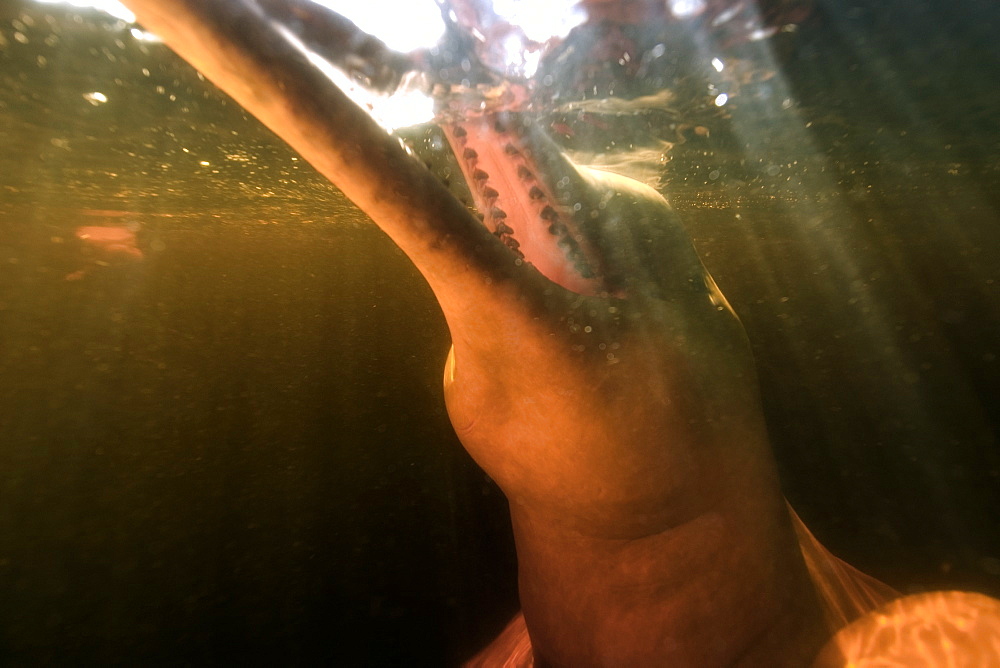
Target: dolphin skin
(601, 379)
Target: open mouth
(534, 212)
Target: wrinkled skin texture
(620, 417)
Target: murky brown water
(222, 430)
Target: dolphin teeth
(496, 218)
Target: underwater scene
(223, 434)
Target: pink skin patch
(110, 239)
(112, 242)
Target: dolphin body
(603, 382)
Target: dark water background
(227, 443)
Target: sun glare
(403, 25)
(112, 7)
(541, 21)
